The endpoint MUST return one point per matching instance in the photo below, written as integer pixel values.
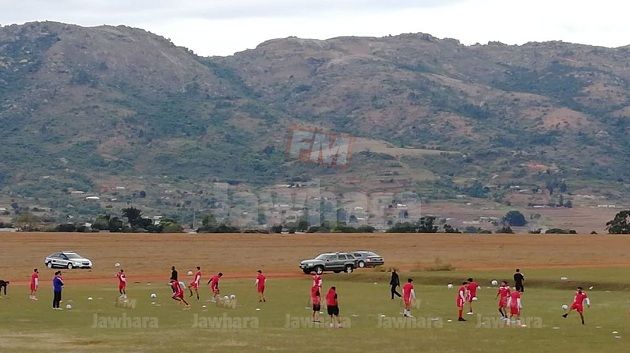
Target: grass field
(372, 321)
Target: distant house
(92, 198)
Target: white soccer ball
(190, 273)
(450, 285)
(182, 284)
(474, 299)
(495, 282)
(153, 295)
(68, 306)
(117, 264)
(232, 297)
(226, 298)
(89, 298)
(565, 307)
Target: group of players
(508, 298)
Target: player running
(260, 286)
(332, 306)
(316, 300)
(122, 284)
(195, 283)
(178, 293)
(460, 301)
(34, 284)
(503, 294)
(409, 294)
(514, 302)
(214, 286)
(578, 303)
(472, 294)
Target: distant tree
(209, 220)
(26, 221)
(133, 215)
(425, 225)
(404, 227)
(302, 225)
(449, 229)
(505, 230)
(276, 228)
(515, 219)
(620, 224)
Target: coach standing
(57, 286)
(394, 282)
(173, 276)
(518, 280)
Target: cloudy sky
(222, 27)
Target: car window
(63, 256)
(73, 256)
(350, 257)
(321, 257)
(342, 257)
(357, 254)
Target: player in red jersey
(578, 303)
(332, 306)
(409, 294)
(260, 286)
(178, 293)
(122, 283)
(34, 284)
(316, 300)
(472, 294)
(460, 300)
(514, 302)
(214, 286)
(195, 283)
(317, 281)
(503, 294)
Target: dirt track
(148, 257)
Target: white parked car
(67, 259)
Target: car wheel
(49, 265)
(69, 266)
(349, 269)
(361, 264)
(337, 271)
(319, 270)
(306, 271)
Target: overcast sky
(222, 27)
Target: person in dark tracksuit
(394, 283)
(518, 280)
(57, 286)
(173, 276)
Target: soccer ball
(226, 298)
(153, 295)
(117, 264)
(565, 307)
(474, 299)
(450, 285)
(495, 282)
(68, 306)
(232, 297)
(190, 273)
(89, 298)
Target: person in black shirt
(518, 281)
(394, 283)
(173, 276)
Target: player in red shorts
(214, 286)
(316, 300)
(578, 303)
(409, 294)
(317, 281)
(332, 306)
(514, 302)
(122, 284)
(34, 284)
(472, 294)
(195, 283)
(260, 286)
(460, 300)
(178, 293)
(503, 294)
